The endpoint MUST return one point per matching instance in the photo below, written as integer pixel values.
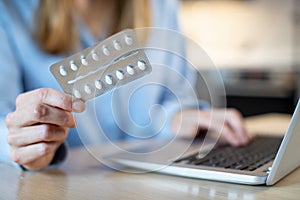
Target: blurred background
(255, 44)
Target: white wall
(253, 33)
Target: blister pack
(109, 64)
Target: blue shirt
(140, 109)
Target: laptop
(265, 161)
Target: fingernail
(78, 106)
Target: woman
(37, 120)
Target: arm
(33, 125)
(185, 114)
(8, 71)
(179, 77)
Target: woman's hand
(39, 125)
(227, 122)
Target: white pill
(98, 84)
(130, 70)
(77, 94)
(141, 65)
(128, 40)
(87, 89)
(119, 74)
(105, 51)
(95, 56)
(73, 66)
(62, 71)
(108, 79)
(117, 45)
(84, 61)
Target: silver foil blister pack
(109, 64)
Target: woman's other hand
(227, 122)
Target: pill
(105, 51)
(95, 56)
(117, 45)
(141, 65)
(98, 84)
(84, 61)
(108, 79)
(87, 89)
(130, 70)
(119, 74)
(62, 71)
(77, 94)
(128, 40)
(73, 66)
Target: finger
(230, 137)
(78, 106)
(50, 97)
(36, 134)
(45, 96)
(28, 154)
(211, 121)
(235, 122)
(41, 113)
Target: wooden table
(82, 177)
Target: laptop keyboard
(250, 157)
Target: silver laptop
(264, 161)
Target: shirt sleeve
(180, 79)
(11, 85)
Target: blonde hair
(56, 32)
